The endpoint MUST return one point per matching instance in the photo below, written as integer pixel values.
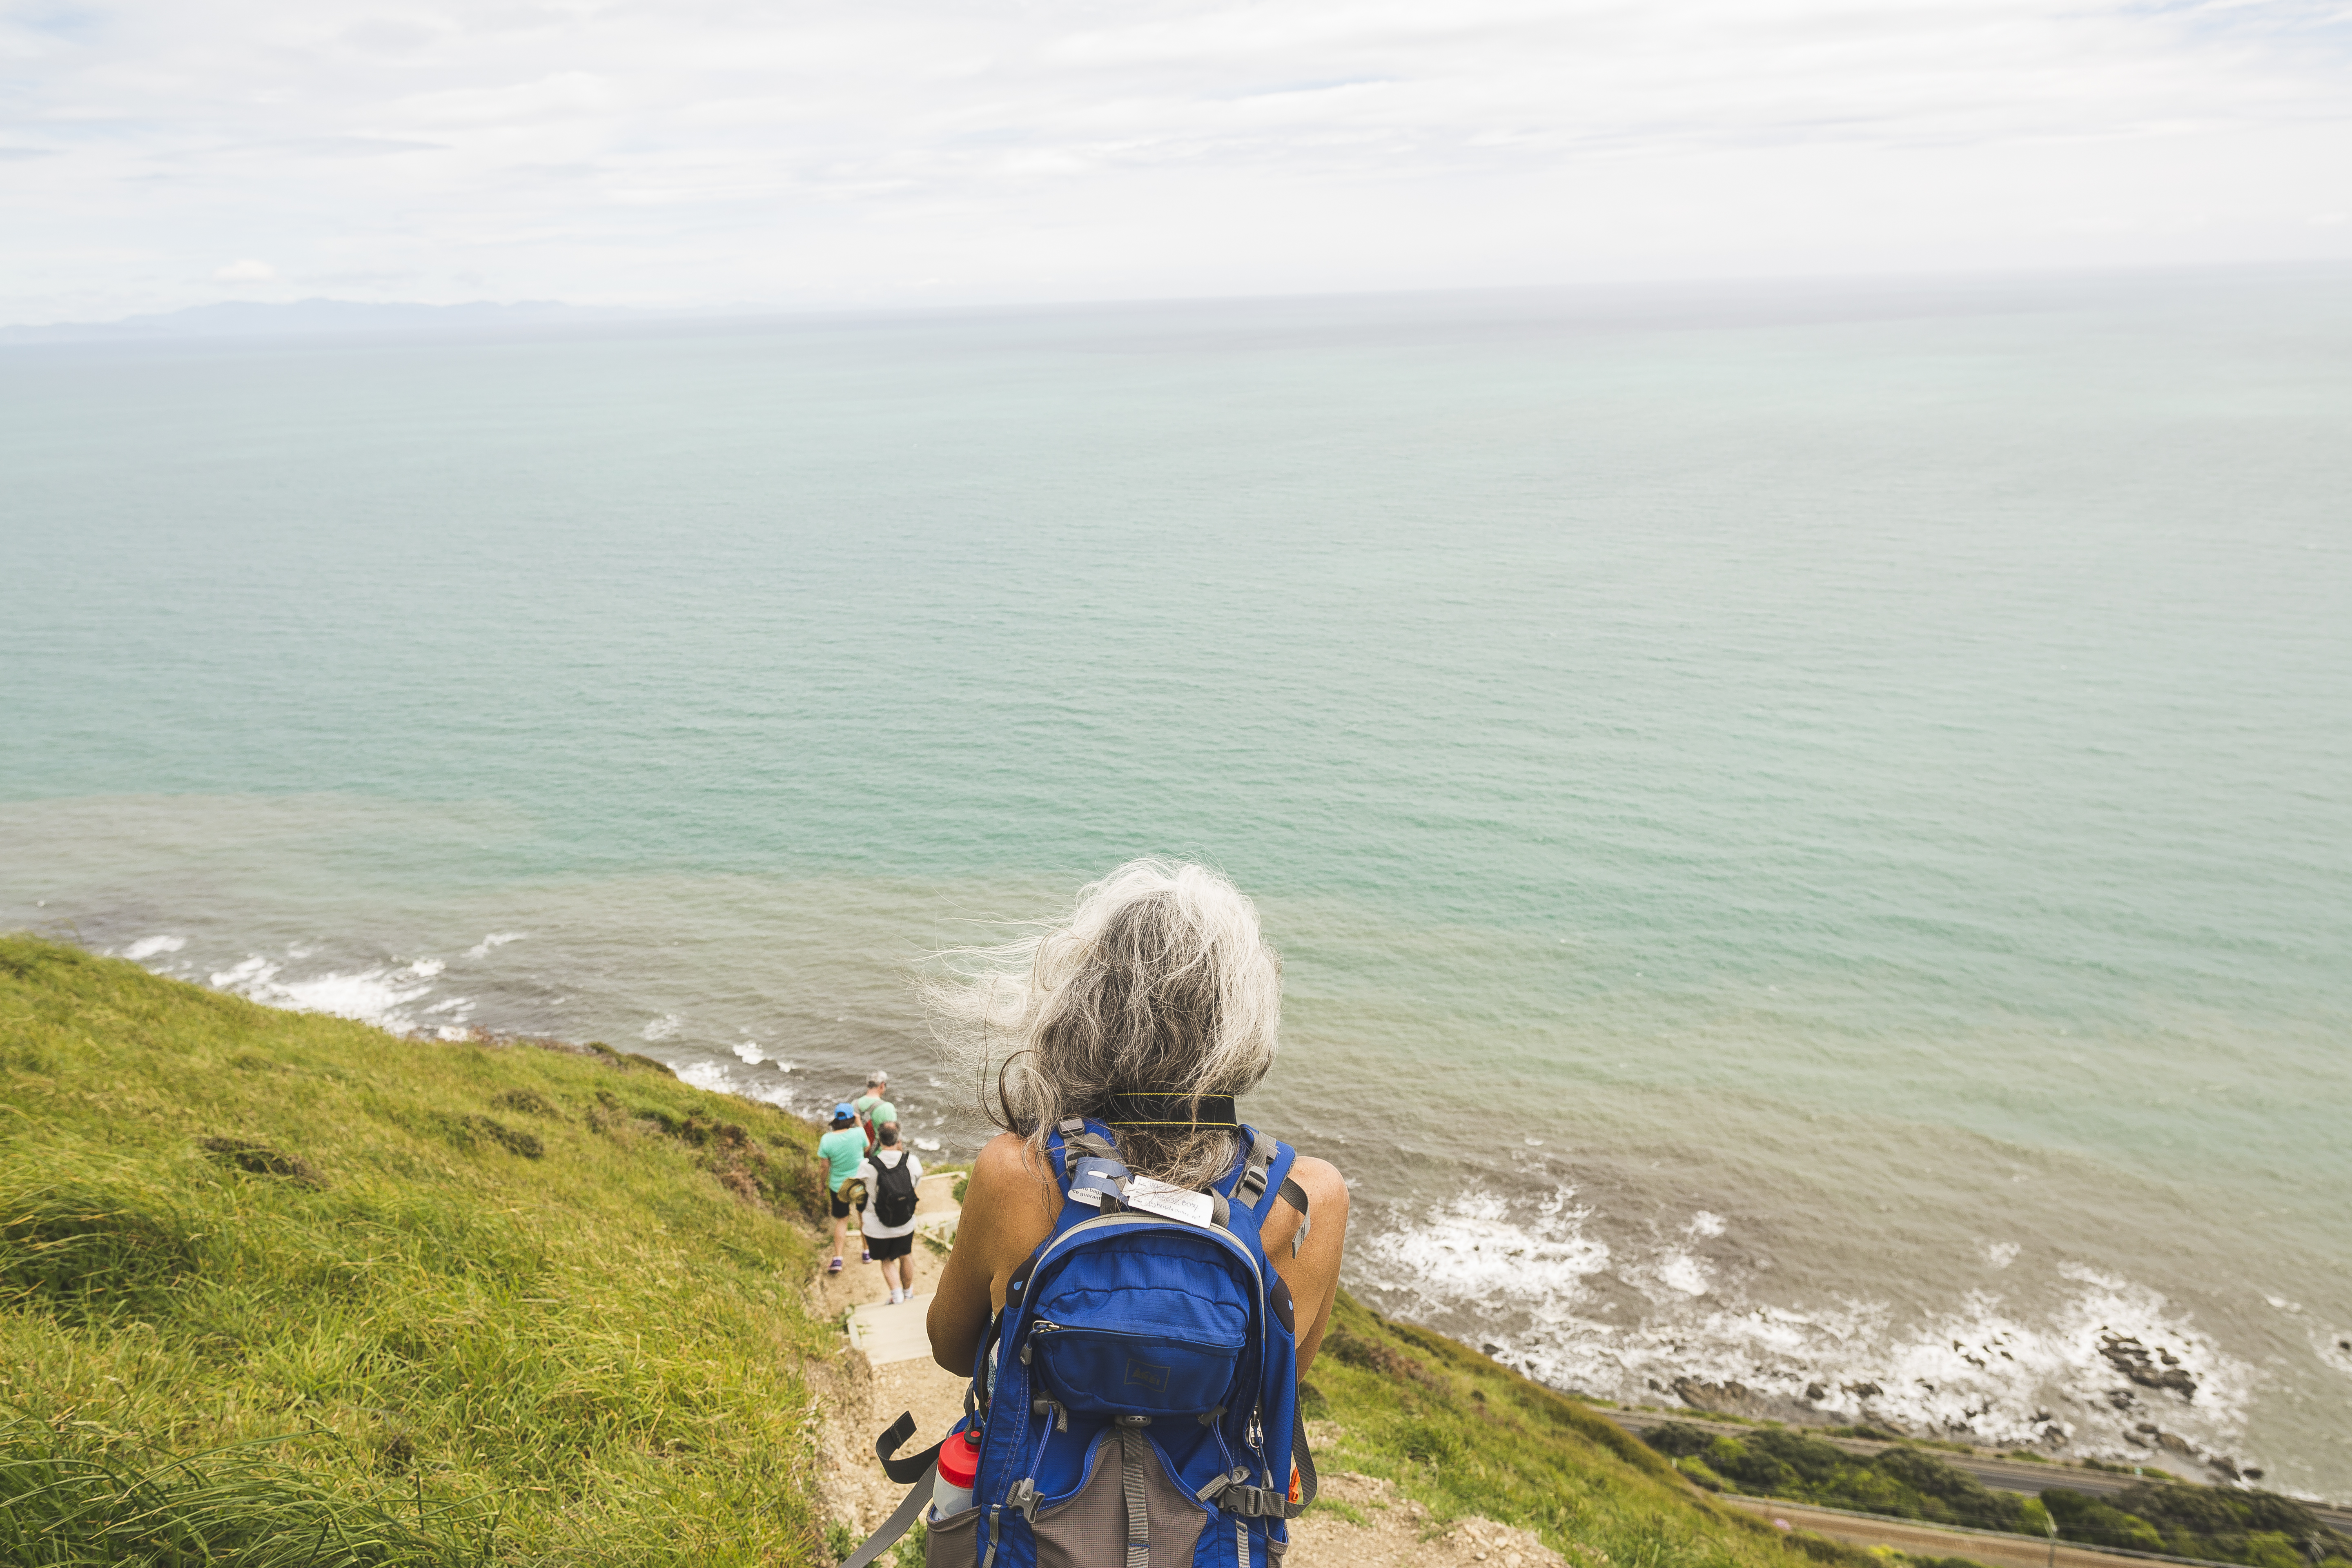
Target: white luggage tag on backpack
(1171, 1202)
(1094, 1176)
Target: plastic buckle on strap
(1253, 1502)
(1219, 1485)
(1023, 1497)
(1251, 1186)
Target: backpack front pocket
(1109, 1371)
(953, 1542)
(1092, 1527)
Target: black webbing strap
(903, 1470)
(1171, 1111)
(896, 1525)
(917, 1470)
(1295, 1196)
(1304, 1458)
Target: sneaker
(834, 1267)
(866, 1257)
(894, 1297)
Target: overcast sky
(155, 153)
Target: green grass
(282, 1288)
(1463, 1435)
(279, 1290)
(2258, 1529)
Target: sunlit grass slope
(279, 1290)
(1466, 1436)
(283, 1288)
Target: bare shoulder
(1325, 1187)
(1326, 1200)
(1009, 1204)
(1326, 1217)
(1004, 1162)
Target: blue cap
(844, 1110)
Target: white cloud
(715, 151)
(246, 271)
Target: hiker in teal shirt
(843, 1150)
(874, 1107)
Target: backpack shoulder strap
(1263, 1176)
(1070, 1140)
(1085, 1134)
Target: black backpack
(894, 1191)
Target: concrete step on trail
(888, 1334)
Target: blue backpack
(1138, 1396)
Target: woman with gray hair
(1156, 1005)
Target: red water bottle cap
(960, 1458)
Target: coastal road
(2006, 1475)
(1928, 1541)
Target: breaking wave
(2078, 1361)
(381, 996)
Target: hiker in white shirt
(892, 1244)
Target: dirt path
(1397, 1533)
(867, 1396)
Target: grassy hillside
(283, 1288)
(1465, 1436)
(2260, 1528)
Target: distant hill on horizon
(296, 318)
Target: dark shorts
(840, 1209)
(885, 1248)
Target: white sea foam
(711, 1076)
(927, 1145)
(2000, 1254)
(496, 939)
(147, 947)
(769, 1090)
(1681, 1271)
(1528, 1280)
(662, 1028)
(1482, 1253)
(751, 1053)
(427, 968)
(380, 997)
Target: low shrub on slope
(2259, 1529)
(285, 1288)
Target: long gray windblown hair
(1160, 984)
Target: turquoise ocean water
(1811, 829)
